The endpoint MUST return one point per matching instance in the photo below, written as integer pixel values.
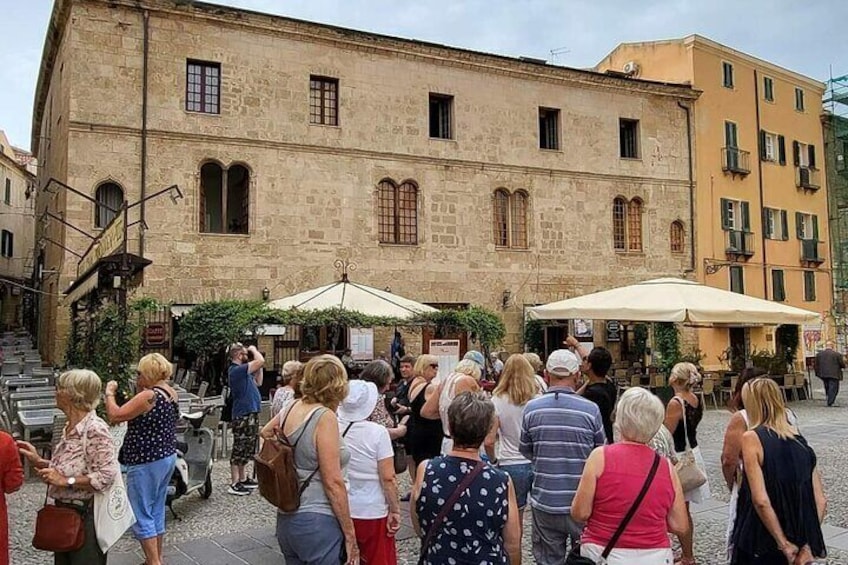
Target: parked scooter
(193, 470)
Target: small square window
(727, 74)
(629, 138)
(548, 128)
(768, 89)
(203, 87)
(324, 101)
(441, 118)
(799, 99)
(737, 280)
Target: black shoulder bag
(574, 558)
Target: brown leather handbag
(58, 529)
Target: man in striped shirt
(559, 431)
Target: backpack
(227, 410)
(276, 472)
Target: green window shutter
(762, 145)
(799, 222)
(781, 149)
(815, 228)
(784, 224)
(725, 221)
(746, 218)
(796, 153)
(766, 231)
(812, 149)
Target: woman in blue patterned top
(149, 449)
(482, 524)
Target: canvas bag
(113, 515)
(690, 475)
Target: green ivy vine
(667, 344)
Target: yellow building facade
(761, 208)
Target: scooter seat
(194, 416)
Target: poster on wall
(361, 342)
(583, 329)
(447, 350)
(813, 338)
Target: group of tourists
(605, 477)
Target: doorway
(740, 347)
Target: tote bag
(113, 514)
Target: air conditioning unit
(631, 68)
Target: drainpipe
(760, 175)
(144, 81)
(688, 111)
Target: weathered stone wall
(313, 188)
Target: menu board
(361, 342)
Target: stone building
(452, 176)
(17, 233)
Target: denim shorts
(522, 479)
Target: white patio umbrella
(674, 300)
(354, 297)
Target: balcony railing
(735, 161)
(807, 178)
(810, 251)
(740, 243)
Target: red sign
(155, 334)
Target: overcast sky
(808, 37)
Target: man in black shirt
(598, 388)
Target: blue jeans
(147, 488)
(310, 538)
(522, 480)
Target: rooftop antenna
(559, 51)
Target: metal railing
(740, 243)
(810, 251)
(735, 160)
(807, 178)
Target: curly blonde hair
(155, 368)
(324, 381)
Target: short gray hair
(83, 386)
(639, 415)
(470, 417)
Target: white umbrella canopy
(353, 297)
(673, 300)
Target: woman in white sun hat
(373, 494)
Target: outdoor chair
(189, 381)
(806, 385)
(728, 390)
(788, 387)
(11, 368)
(201, 391)
(213, 422)
(707, 389)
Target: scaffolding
(835, 128)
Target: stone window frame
(323, 100)
(627, 228)
(629, 138)
(113, 199)
(397, 213)
(207, 98)
(243, 227)
(509, 218)
(7, 244)
(677, 237)
(441, 124)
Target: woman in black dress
(425, 435)
(781, 500)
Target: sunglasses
(434, 365)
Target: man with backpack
(245, 378)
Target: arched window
(501, 217)
(619, 229)
(398, 212)
(676, 237)
(224, 199)
(109, 197)
(518, 211)
(634, 225)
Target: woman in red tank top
(611, 481)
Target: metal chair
(201, 391)
(11, 368)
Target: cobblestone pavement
(226, 530)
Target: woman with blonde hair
(682, 416)
(781, 500)
(321, 529)
(465, 378)
(425, 432)
(149, 450)
(516, 387)
(83, 462)
(285, 394)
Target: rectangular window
(807, 226)
(7, 196)
(7, 244)
(768, 89)
(203, 87)
(441, 110)
(737, 279)
(324, 101)
(629, 138)
(735, 215)
(770, 146)
(727, 74)
(775, 224)
(778, 289)
(809, 286)
(799, 99)
(548, 128)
